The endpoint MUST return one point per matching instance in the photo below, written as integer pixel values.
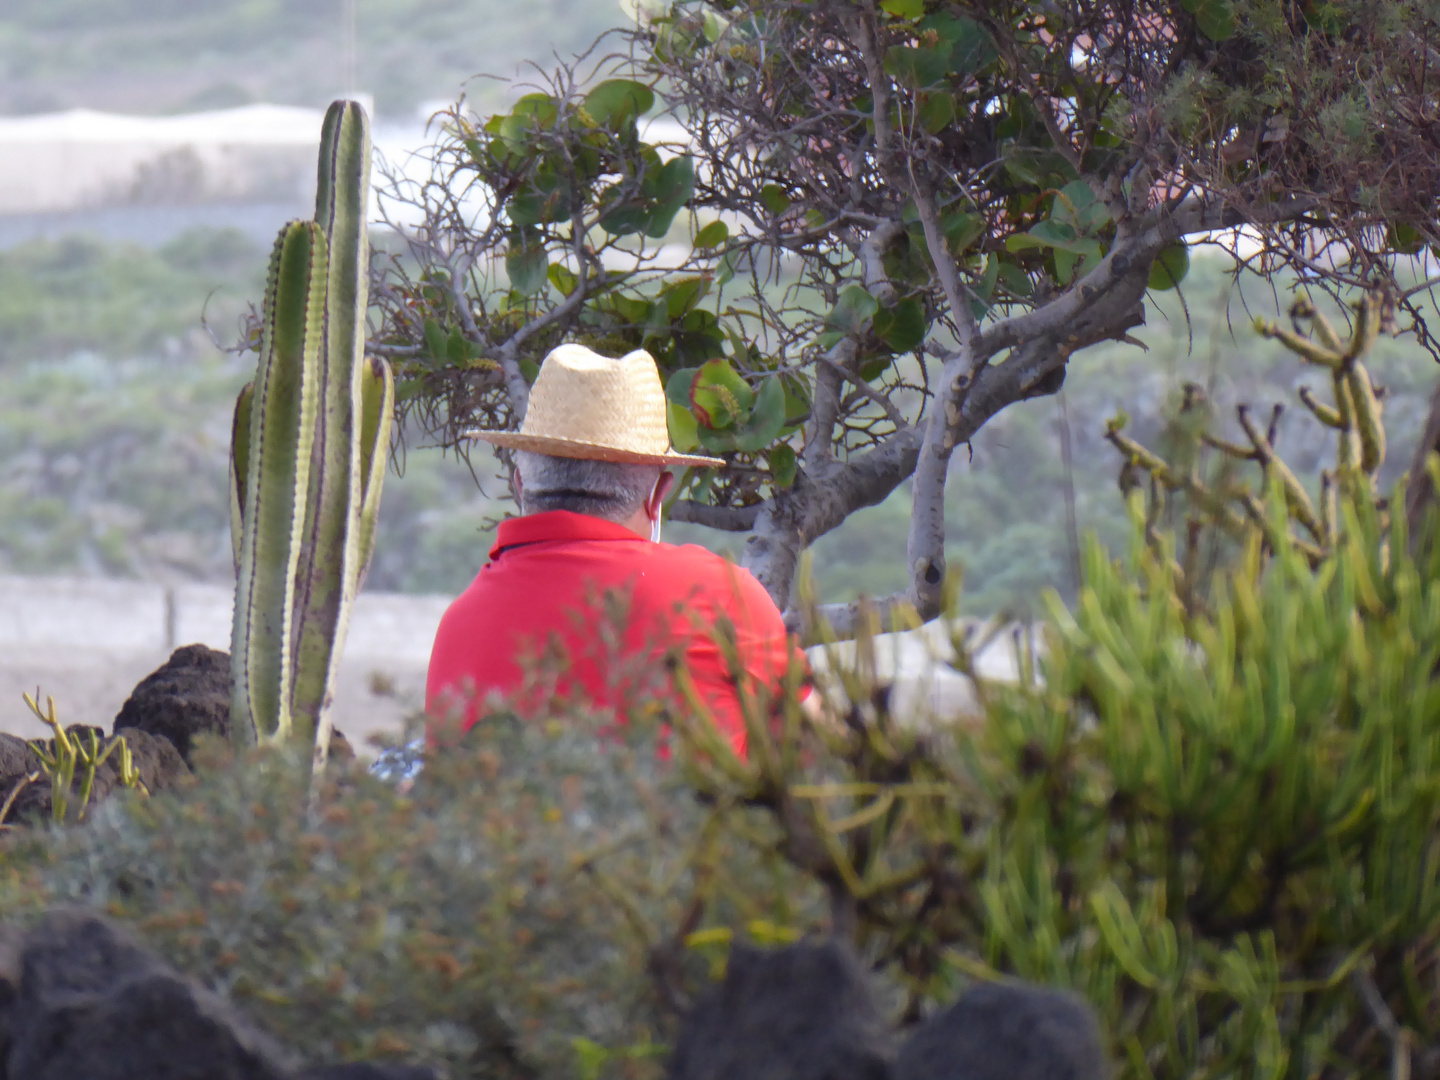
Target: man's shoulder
(701, 570)
(699, 560)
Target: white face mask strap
(659, 510)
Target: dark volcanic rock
(91, 1004)
(16, 757)
(999, 1032)
(187, 695)
(190, 694)
(17, 761)
(804, 1012)
(155, 758)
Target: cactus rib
(239, 464)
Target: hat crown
(585, 398)
(584, 405)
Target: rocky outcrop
(186, 696)
(804, 1012)
(189, 695)
(80, 1000)
(17, 761)
(1007, 1032)
(88, 1003)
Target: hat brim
(556, 446)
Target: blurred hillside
(171, 56)
(115, 408)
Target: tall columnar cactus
(308, 456)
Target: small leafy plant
(70, 753)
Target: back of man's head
(611, 490)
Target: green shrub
(497, 920)
(1218, 826)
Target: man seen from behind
(591, 460)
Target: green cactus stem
(317, 485)
(333, 558)
(281, 431)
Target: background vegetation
(115, 410)
(156, 56)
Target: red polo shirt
(610, 604)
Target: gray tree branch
(728, 519)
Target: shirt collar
(555, 525)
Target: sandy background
(86, 643)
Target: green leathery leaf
(718, 372)
(901, 327)
(904, 9)
(712, 236)
(277, 484)
(457, 349)
(674, 185)
(915, 67)
(936, 111)
(540, 110)
(677, 387)
(527, 265)
(961, 230)
(774, 199)
(1049, 233)
(1403, 237)
(782, 464)
(239, 464)
(1071, 261)
(1170, 266)
(614, 101)
(684, 295)
(853, 309)
(740, 349)
(563, 278)
(767, 417)
(971, 46)
(434, 340)
(682, 426)
(1215, 18)
(527, 208)
(1014, 279)
(328, 554)
(719, 397)
(984, 289)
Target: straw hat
(584, 405)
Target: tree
(857, 230)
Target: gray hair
(603, 489)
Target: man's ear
(666, 485)
(518, 489)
